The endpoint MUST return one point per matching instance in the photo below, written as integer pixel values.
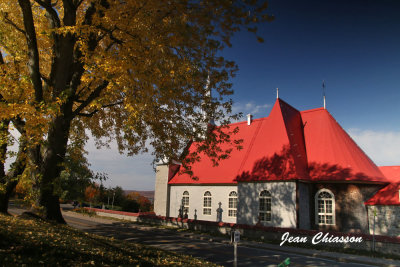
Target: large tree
(133, 71)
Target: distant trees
(117, 199)
(143, 203)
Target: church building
(297, 169)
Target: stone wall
(387, 220)
(350, 211)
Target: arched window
(232, 207)
(207, 203)
(265, 206)
(325, 207)
(185, 202)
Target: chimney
(249, 118)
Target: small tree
(91, 193)
(144, 203)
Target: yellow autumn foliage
(135, 71)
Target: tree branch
(33, 54)
(19, 124)
(109, 32)
(55, 20)
(95, 94)
(9, 21)
(78, 3)
(89, 115)
(81, 91)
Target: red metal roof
(332, 154)
(277, 150)
(287, 145)
(391, 172)
(389, 195)
(205, 173)
(266, 153)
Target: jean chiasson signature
(320, 238)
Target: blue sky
(354, 45)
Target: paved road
(212, 251)
(180, 242)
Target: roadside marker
(284, 263)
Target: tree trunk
(52, 167)
(12, 178)
(10, 181)
(5, 197)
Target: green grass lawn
(33, 242)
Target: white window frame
(185, 202)
(327, 203)
(265, 206)
(207, 200)
(232, 204)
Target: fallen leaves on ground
(27, 242)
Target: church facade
(297, 169)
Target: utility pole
(112, 206)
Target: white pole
(236, 239)
(112, 206)
(235, 254)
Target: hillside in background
(147, 194)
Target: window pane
(328, 206)
(185, 201)
(321, 219)
(268, 204)
(232, 206)
(207, 211)
(325, 204)
(268, 216)
(265, 193)
(207, 202)
(321, 206)
(232, 213)
(262, 204)
(233, 193)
